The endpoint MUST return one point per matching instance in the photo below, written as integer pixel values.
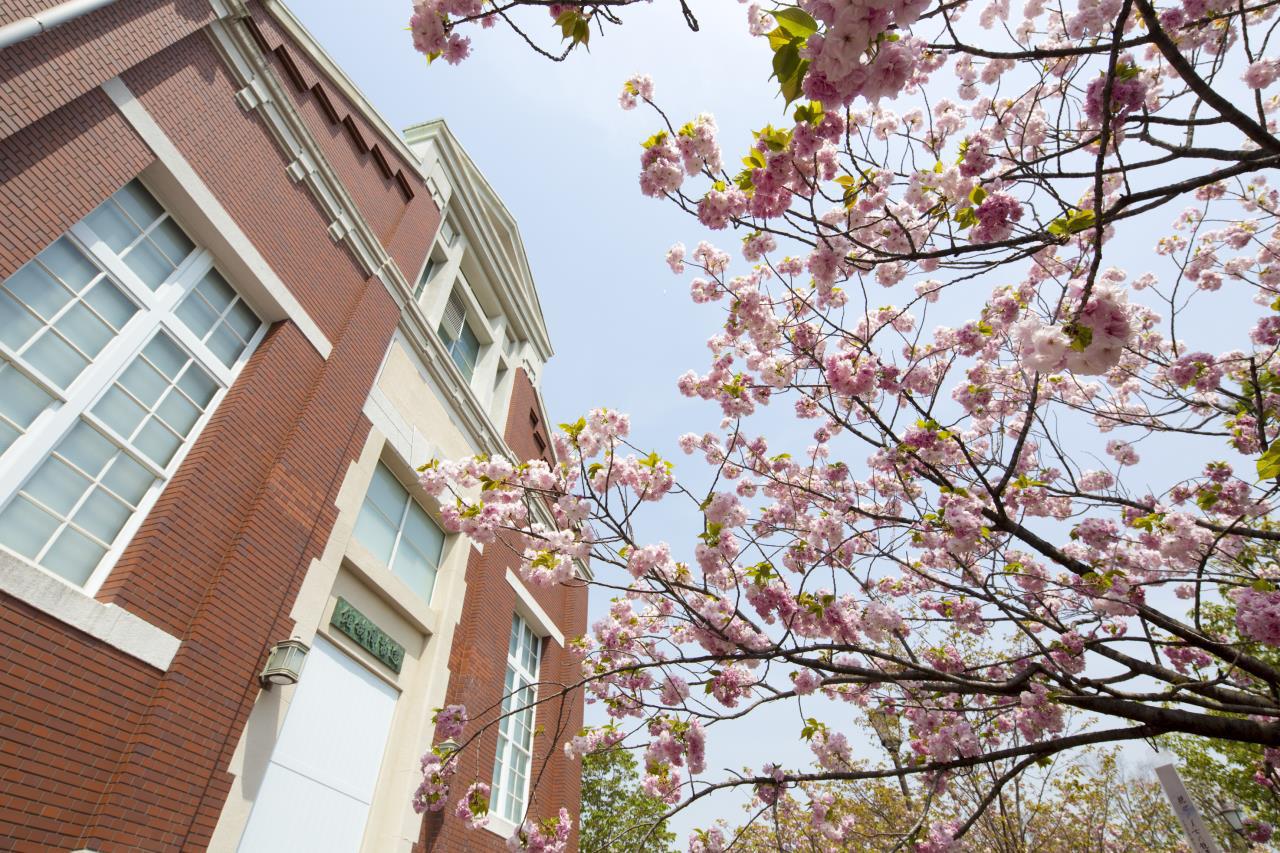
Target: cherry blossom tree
(1012, 274)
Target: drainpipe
(24, 28)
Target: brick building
(236, 311)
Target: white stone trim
(527, 606)
(495, 236)
(109, 623)
(285, 303)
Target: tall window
(399, 532)
(116, 342)
(428, 270)
(455, 332)
(510, 794)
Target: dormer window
(457, 337)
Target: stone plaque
(371, 638)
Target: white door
(316, 792)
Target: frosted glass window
(100, 387)
(510, 791)
(147, 405)
(59, 311)
(219, 317)
(67, 515)
(134, 224)
(398, 531)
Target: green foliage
(574, 27)
(1269, 462)
(1075, 222)
(1220, 772)
(793, 30)
(616, 812)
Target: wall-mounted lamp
(284, 663)
(447, 747)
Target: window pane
(214, 288)
(114, 307)
(413, 567)
(423, 533)
(83, 328)
(112, 226)
(21, 400)
(102, 515)
(225, 345)
(387, 493)
(38, 290)
(25, 528)
(197, 314)
(469, 344)
(73, 555)
(120, 412)
(375, 531)
(139, 203)
(178, 413)
(167, 356)
(150, 265)
(199, 386)
(172, 240)
(8, 435)
(157, 442)
(87, 449)
(69, 264)
(144, 382)
(461, 360)
(16, 323)
(128, 479)
(243, 321)
(55, 358)
(56, 485)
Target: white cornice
(482, 212)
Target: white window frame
(508, 747)
(156, 312)
(410, 500)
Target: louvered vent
(454, 316)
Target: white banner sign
(1185, 808)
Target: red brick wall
(478, 663)
(57, 169)
(48, 71)
(67, 703)
(108, 753)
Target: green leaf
(657, 139)
(791, 88)
(811, 113)
(795, 22)
(1072, 223)
(1269, 463)
(976, 195)
(965, 217)
(785, 62)
(778, 37)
